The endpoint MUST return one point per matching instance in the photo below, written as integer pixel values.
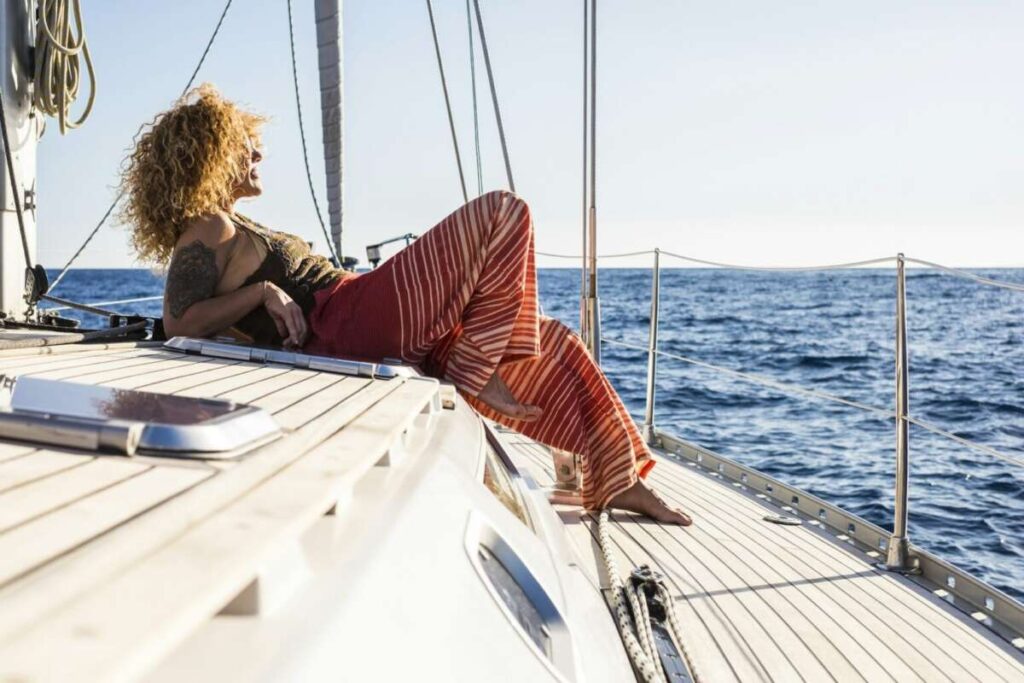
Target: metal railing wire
(1017, 287)
(577, 256)
(760, 379)
(899, 557)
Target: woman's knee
(509, 207)
(560, 334)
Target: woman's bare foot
(639, 498)
(497, 395)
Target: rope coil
(60, 49)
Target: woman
(460, 302)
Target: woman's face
(250, 185)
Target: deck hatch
(82, 414)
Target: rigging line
(494, 93)
(15, 194)
(88, 308)
(927, 426)
(110, 209)
(583, 265)
(476, 113)
(103, 303)
(793, 269)
(302, 136)
(965, 274)
(574, 256)
(788, 388)
(758, 379)
(447, 102)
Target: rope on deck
(634, 620)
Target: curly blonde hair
(185, 163)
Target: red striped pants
(461, 303)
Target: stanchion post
(898, 555)
(652, 349)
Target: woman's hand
(287, 315)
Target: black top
(289, 264)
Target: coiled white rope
(60, 49)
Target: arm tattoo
(191, 278)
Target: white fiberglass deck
(760, 601)
(106, 562)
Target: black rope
(302, 135)
(120, 194)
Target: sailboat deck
(761, 601)
(106, 561)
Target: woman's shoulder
(211, 228)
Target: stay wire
(494, 94)
(120, 195)
(476, 111)
(302, 137)
(447, 101)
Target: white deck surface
(760, 601)
(107, 562)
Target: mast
(16, 40)
(329, 52)
(591, 303)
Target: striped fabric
(461, 302)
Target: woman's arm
(191, 307)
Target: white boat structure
(389, 533)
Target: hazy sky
(754, 132)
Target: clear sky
(753, 132)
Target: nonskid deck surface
(106, 562)
(760, 601)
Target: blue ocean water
(828, 331)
